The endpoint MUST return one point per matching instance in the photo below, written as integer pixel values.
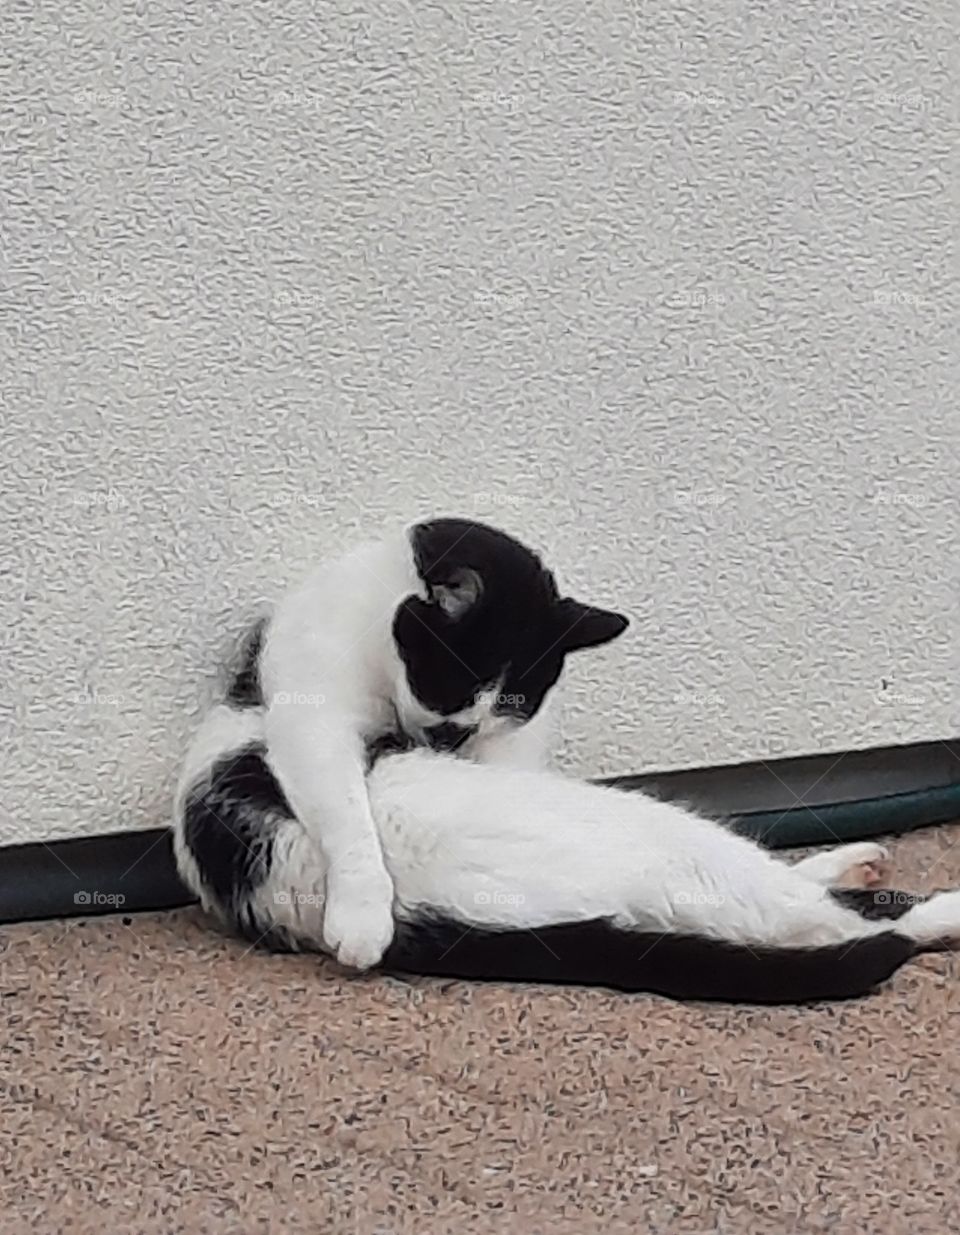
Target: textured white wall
(664, 291)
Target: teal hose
(846, 821)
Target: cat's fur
(515, 874)
(451, 633)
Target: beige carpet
(155, 1076)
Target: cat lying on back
(512, 874)
(451, 633)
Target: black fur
(229, 823)
(245, 690)
(596, 953)
(232, 814)
(448, 736)
(877, 904)
(517, 632)
(230, 818)
(393, 742)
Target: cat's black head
(493, 631)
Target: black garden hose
(115, 872)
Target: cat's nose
(448, 736)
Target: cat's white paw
(868, 866)
(358, 923)
(862, 864)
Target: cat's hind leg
(247, 859)
(863, 864)
(933, 923)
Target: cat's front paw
(358, 924)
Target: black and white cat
(505, 872)
(451, 633)
(512, 874)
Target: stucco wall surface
(665, 289)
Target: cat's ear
(458, 593)
(583, 626)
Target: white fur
(934, 921)
(331, 675)
(833, 866)
(518, 848)
(501, 847)
(225, 730)
(329, 671)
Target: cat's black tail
(597, 953)
(243, 688)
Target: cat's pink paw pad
(872, 870)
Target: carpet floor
(157, 1076)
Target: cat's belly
(495, 846)
(480, 843)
